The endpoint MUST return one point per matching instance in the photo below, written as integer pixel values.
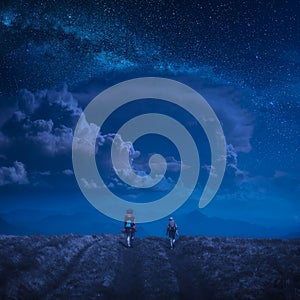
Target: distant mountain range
(196, 223)
(6, 228)
(193, 223)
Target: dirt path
(145, 272)
(64, 284)
(129, 278)
(192, 284)
(92, 272)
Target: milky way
(250, 42)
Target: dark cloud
(15, 174)
(4, 141)
(50, 140)
(237, 122)
(45, 120)
(53, 100)
(39, 134)
(28, 102)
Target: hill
(101, 267)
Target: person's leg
(128, 238)
(172, 237)
(171, 240)
(131, 238)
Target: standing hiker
(172, 231)
(129, 227)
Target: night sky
(242, 56)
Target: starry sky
(243, 57)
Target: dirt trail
(65, 285)
(191, 281)
(129, 278)
(145, 272)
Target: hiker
(129, 227)
(172, 231)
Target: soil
(102, 267)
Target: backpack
(172, 228)
(128, 224)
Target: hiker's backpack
(128, 224)
(172, 228)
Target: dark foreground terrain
(101, 267)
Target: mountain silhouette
(197, 223)
(7, 228)
(26, 222)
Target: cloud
(4, 141)
(84, 141)
(166, 184)
(172, 165)
(45, 173)
(51, 140)
(232, 163)
(16, 174)
(280, 174)
(124, 154)
(237, 122)
(234, 177)
(68, 172)
(237, 125)
(285, 183)
(30, 103)
(125, 151)
(42, 123)
(32, 127)
(262, 199)
(89, 184)
(45, 121)
(64, 99)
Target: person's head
(129, 215)
(171, 219)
